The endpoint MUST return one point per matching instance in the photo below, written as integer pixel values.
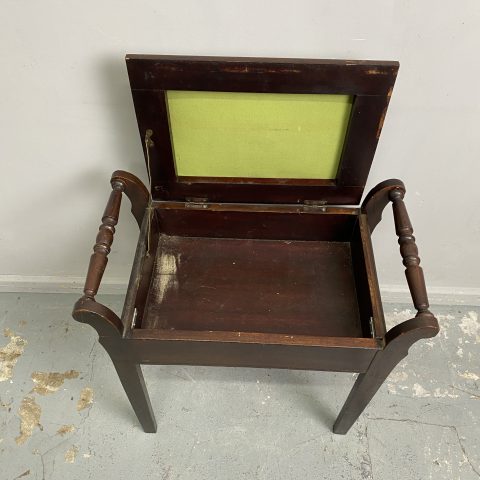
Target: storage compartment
(290, 271)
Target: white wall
(67, 120)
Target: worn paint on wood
(166, 278)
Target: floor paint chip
(29, 413)
(86, 398)
(50, 382)
(10, 353)
(64, 429)
(71, 454)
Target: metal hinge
(196, 202)
(315, 204)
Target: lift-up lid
(259, 130)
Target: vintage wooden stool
(250, 252)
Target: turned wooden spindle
(104, 240)
(87, 310)
(409, 251)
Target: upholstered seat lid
(256, 130)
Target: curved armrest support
(86, 309)
(377, 199)
(405, 334)
(135, 190)
(101, 318)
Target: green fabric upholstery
(257, 135)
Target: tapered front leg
(131, 376)
(398, 340)
(364, 389)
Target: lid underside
(259, 130)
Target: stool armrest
(373, 206)
(87, 309)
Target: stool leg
(131, 376)
(397, 342)
(363, 391)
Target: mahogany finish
(267, 286)
(369, 82)
(231, 280)
(409, 252)
(99, 259)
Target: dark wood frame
(374, 358)
(260, 209)
(369, 82)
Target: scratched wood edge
(113, 286)
(455, 295)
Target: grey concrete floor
(219, 423)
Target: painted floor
(63, 413)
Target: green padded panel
(257, 135)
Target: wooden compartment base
(248, 285)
